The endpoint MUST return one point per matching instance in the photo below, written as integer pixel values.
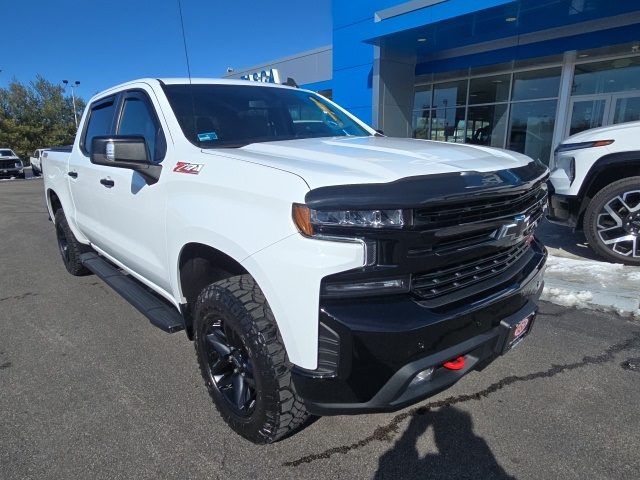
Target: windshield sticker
(204, 137)
(184, 167)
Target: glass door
(598, 110)
(588, 113)
(625, 108)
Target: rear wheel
(612, 222)
(244, 362)
(70, 247)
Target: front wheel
(244, 362)
(612, 222)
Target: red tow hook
(456, 364)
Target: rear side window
(100, 121)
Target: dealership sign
(265, 76)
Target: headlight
(306, 219)
(19, 164)
(576, 146)
(385, 286)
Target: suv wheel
(612, 222)
(244, 362)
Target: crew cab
(595, 187)
(318, 266)
(10, 164)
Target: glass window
(100, 120)
(536, 84)
(489, 89)
(487, 125)
(627, 110)
(586, 114)
(448, 125)
(422, 98)
(421, 124)
(620, 75)
(136, 120)
(531, 128)
(237, 115)
(450, 94)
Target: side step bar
(159, 312)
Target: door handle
(73, 174)
(107, 183)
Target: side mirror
(125, 151)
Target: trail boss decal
(184, 167)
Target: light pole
(73, 97)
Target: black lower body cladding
(382, 343)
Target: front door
(133, 210)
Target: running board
(159, 312)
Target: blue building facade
(521, 75)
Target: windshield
(227, 116)
(6, 153)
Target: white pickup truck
(320, 267)
(36, 161)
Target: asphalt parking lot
(89, 389)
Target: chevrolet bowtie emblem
(514, 230)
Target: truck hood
(608, 132)
(357, 160)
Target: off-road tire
(70, 247)
(614, 214)
(235, 313)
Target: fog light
(423, 376)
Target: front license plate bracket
(513, 330)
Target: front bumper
(563, 209)
(11, 172)
(377, 346)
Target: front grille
(480, 210)
(444, 281)
(7, 164)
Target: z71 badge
(184, 167)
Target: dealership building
(521, 75)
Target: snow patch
(566, 298)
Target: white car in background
(595, 186)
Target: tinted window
(100, 120)
(536, 84)
(620, 75)
(489, 89)
(136, 120)
(215, 116)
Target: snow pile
(593, 285)
(567, 297)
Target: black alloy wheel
(229, 366)
(244, 362)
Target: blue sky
(103, 43)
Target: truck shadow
(460, 453)
(565, 240)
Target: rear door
(83, 176)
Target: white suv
(595, 185)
